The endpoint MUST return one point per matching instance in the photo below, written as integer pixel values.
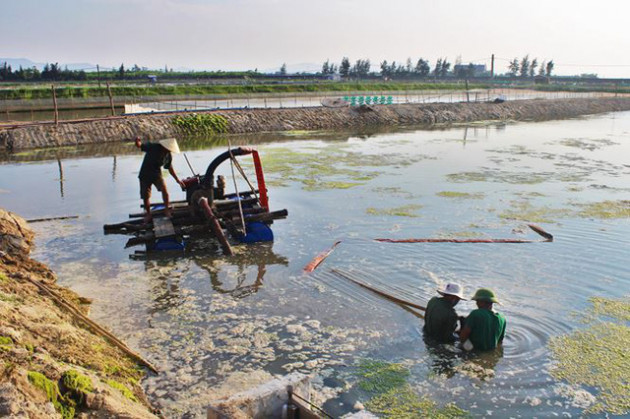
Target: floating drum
(167, 243)
(257, 232)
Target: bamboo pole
(39, 220)
(379, 292)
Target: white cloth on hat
(453, 289)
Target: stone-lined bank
(153, 126)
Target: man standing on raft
(157, 155)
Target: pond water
(214, 325)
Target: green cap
(485, 294)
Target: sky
(579, 36)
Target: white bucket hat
(170, 144)
(453, 289)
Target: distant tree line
(527, 68)
(54, 72)
(421, 69)
(49, 72)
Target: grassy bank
(69, 91)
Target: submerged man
(484, 327)
(157, 155)
(440, 318)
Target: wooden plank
(163, 227)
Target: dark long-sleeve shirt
(155, 158)
(440, 320)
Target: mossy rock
(65, 407)
(77, 384)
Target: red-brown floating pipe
(548, 238)
(317, 260)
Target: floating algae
(404, 402)
(404, 211)
(394, 191)
(500, 176)
(380, 376)
(393, 396)
(460, 195)
(619, 309)
(315, 170)
(597, 357)
(524, 211)
(587, 143)
(605, 210)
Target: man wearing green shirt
(484, 327)
(440, 318)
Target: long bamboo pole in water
(379, 292)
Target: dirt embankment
(52, 365)
(153, 126)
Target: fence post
(55, 106)
(467, 93)
(111, 99)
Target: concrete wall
(154, 126)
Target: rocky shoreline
(53, 365)
(159, 125)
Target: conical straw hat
(170, 144)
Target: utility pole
(98, 75)
(492, 67)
